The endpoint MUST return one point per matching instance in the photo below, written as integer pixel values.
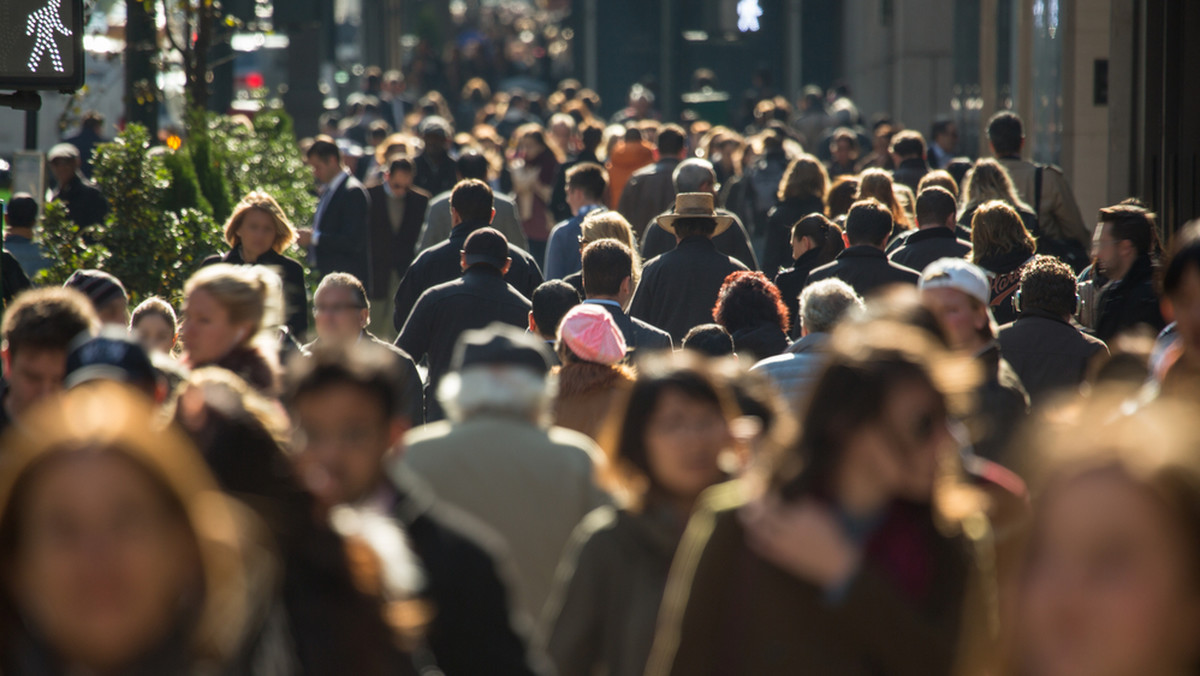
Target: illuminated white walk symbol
(748, 12)
(45, 22)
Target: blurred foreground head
(117, 549)
(1111, 581)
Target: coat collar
(862, 251)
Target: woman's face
(684, 441)
(899, 452)
(154, 333)
(103, 568)
(1109, 589)
(961, 319)
(257, 233)
(207, 332)
(801, 246)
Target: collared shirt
(326, 196)
(562, 250)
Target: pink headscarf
(591, 333)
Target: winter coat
(1049, 355)
(626, 158)
(1129, 302)
(760, 341)
(1002, 405)
(443, 313)
(679, 288)
(531, 484)
(649, 192)
(791, 282)
(925, 246)
(443, 263)
(602, 614)
(734, 242)
(796, 370)
(1005, 272)
(777, 251)
(727, 611)
(865, 268)
(392, 250)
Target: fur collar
(585, 378)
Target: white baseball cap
(956, 273)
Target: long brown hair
(805, 177)
(996, 228)
(878, 183)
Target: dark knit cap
(99, 286)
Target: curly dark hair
(748, 299)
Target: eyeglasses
(335, 307)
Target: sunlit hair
(598, 225)
(154, 307)
(112, 420)
(841, 196)
(940, 178)
(506, 391)
(747, 299)
(626, 472)
(996, 228)
(877, 183)
(805, 177)
(989, 180)
(249, 293)
(538, 134)
(285, 234)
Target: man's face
(1112, 253)
(948, 140)
(63, 170)
(342, 440)
(843, 151)
(33, 374)
(1185, 306)
(339, 317)
(323, 169)
(399, 181)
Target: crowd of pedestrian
(582, 396)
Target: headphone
(1017, 302)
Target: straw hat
(694, 205)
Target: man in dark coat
(650, 189)
(1127, 239)
(436, 172)
(481, 296)
(864, 265)
(608, 282)
(342, 311)
(348, 404)
(339, 239)
(697, 175)
(936, 237)
(90, 135)
(86, 205)
(679, 288)
(471, 209)
(908, 151)
(397, 212)
(1048, 352)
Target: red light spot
(254, 80)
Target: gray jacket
(796, 370)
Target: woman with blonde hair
(229, 314)
(258, 232)
(599, 225)
(119, 553)
(986, 181)
(878, 184)
(801, 192)
(1002, 246)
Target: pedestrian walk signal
(41, 44)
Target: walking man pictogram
(44, 23)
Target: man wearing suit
(608, 280)
(397, 211)
(339, 238)
(438, 223)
